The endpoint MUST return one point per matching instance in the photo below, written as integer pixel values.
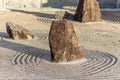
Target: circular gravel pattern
(96, 62)
(42, 36)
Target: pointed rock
(63, 42)
(88, 11)
(18, 32)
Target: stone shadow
(24, 51)
(38, 14)
(4, 35)
(96, 61)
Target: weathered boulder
(63, 42)
(88, 11)
(18, 32)
(63, 15)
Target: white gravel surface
(30, 59)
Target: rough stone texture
(88, 11)
(63, 15)
(64, 44)
(18, 32)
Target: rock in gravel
(63, 15)
(88, 11)
(18, 32)
(63, 42)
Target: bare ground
(30, 59)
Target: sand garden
(30, 59)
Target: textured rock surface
(88, 11)
(18, 32)
(64, 44)
(63, 15)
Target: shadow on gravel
(4, 35)
(26, 54)
(96, 61)
(38, 14)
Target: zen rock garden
(60, 44)
(63, 41)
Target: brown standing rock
(63, 15)
(63, 42)
(88, 11)
(17, 32)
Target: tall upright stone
(88, 11)
(63, 42)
